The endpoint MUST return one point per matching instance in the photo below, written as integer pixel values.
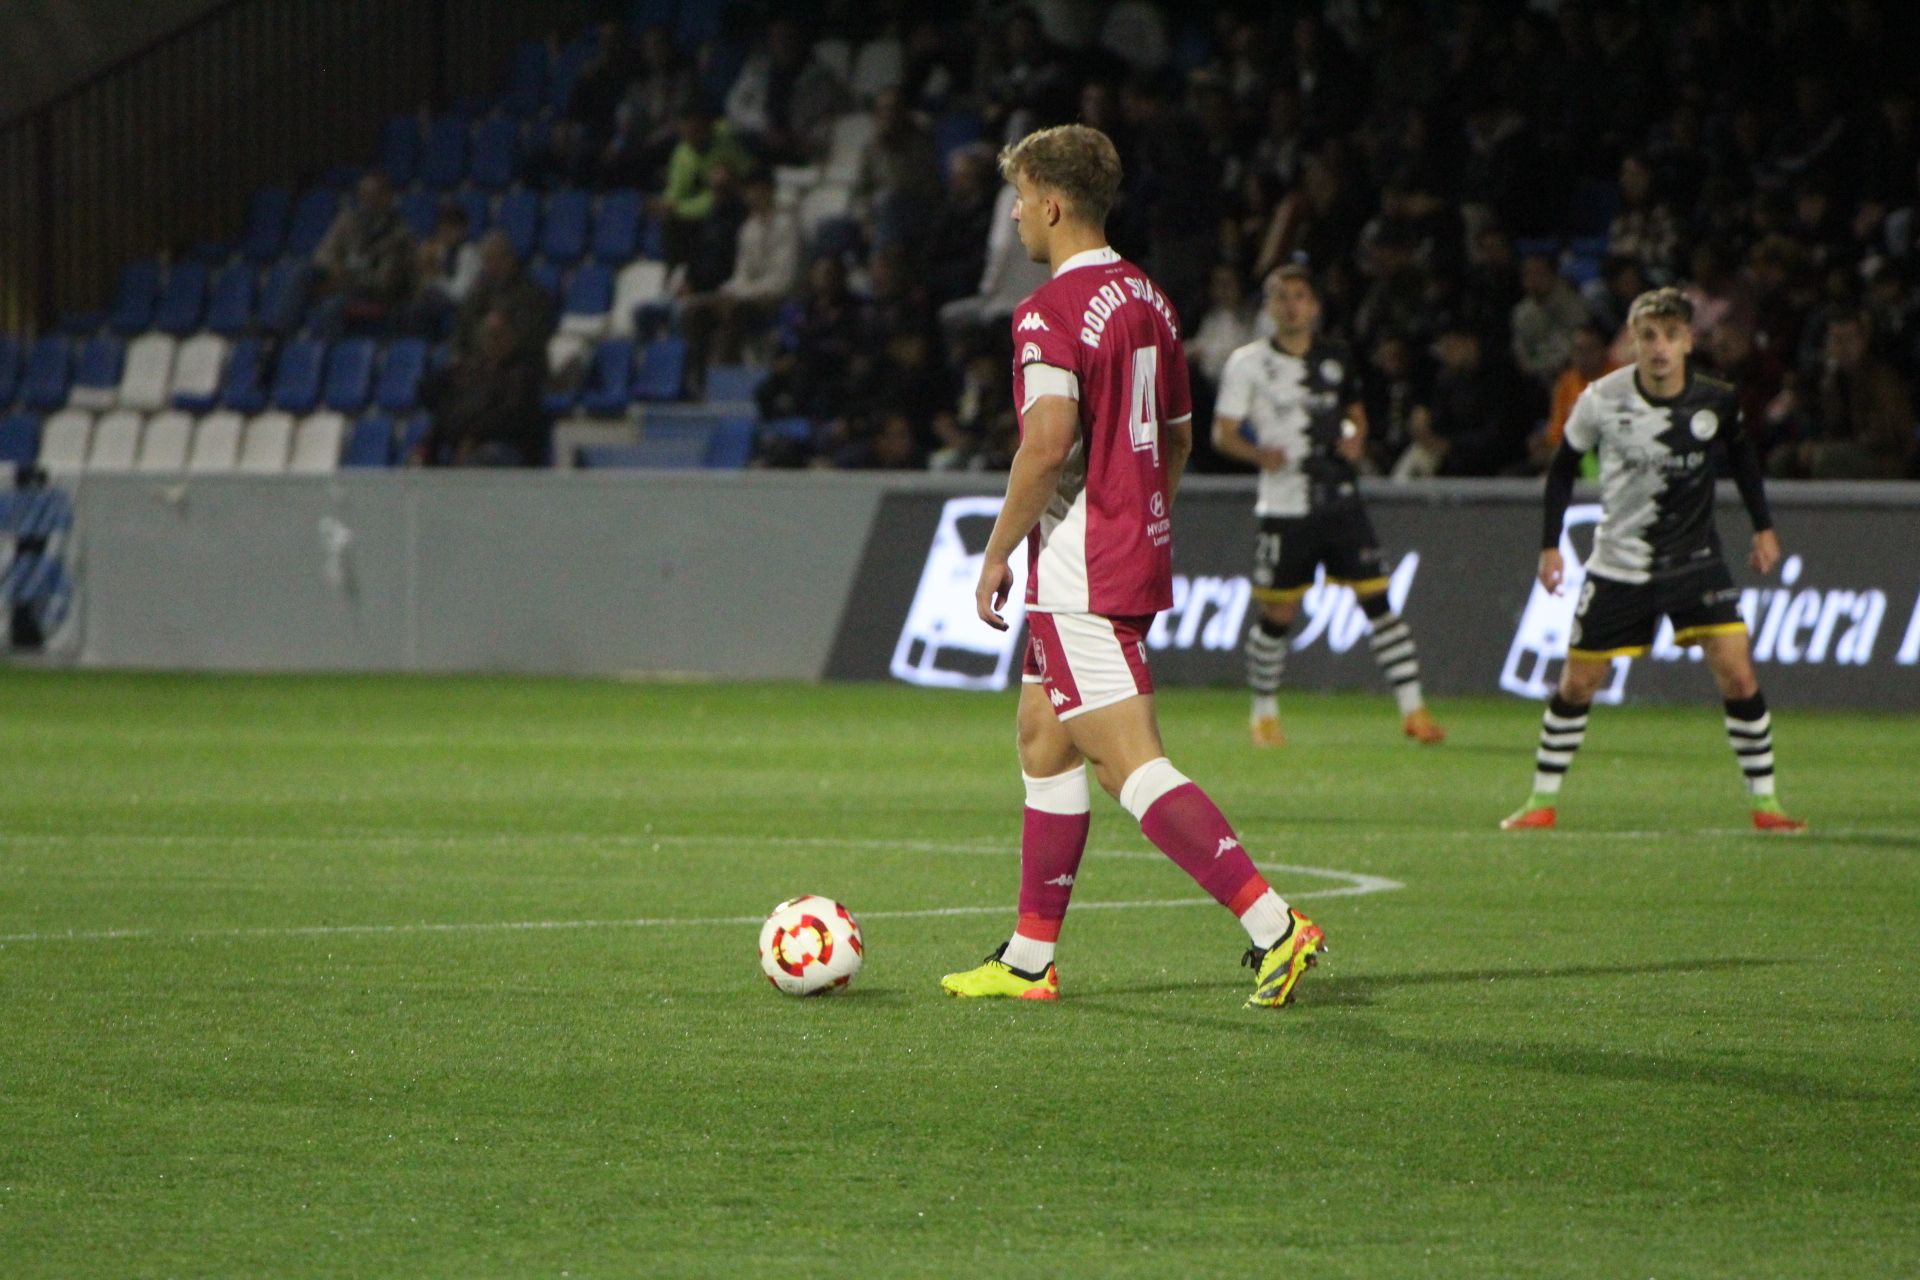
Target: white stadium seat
(216, 442)
(845, 145)
(116, 441)
(63, 441)
(148, 375)
(822, 203)
(877, 66)
(267, 442)
(835, 55)
(638, 283)
(164, 444)
(196, 372)
(317, 441)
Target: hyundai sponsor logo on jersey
(1839, 623)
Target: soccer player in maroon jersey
(1106, 426)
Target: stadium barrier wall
(869, 577)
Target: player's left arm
(1049, 429)
(1744, 461)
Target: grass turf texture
(1649, 1044)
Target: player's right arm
(1048, 431)
(1564, 469)
(1230, 411)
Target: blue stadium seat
(496, 145)
(230, 309)
(616, 227)
(266, 232)
(243, 380)
(81, 324)
(49, 367)
(418, 209)
(572, 59)
(370, 444)
(9, 370)
(733, 382)
(183, 299)
(401, 369)
(348, 383)
(400, 149)
(443, 163)
(793, 430)
(527, 78)
(98, 367)
(519, 218)
(590, 292)
(312, 216)
(609, 382)
(19, 439)
(296, 375)
(134, 300)
(479, 207)
(410, 433)
(730, 447)
(663, 370)
(550, 276)
(955, 129)
(283, 295)
(563, 235)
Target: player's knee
(1279, 615)
(1580, 681)
(1740, 682)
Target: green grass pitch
(456, 977)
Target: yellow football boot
(1279, 967)
(995, 978)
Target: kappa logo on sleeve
(1031, 320)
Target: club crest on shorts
(1703, 424)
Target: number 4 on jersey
(1143, 421)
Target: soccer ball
(810, 945)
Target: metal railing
(165, 147)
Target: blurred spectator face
(1730, 345)
(496, 256)
(1292, 305)
(1636, 181)
(1283, 112)
(657, 49)
(889, 111)
(1589, 351)
(1321, 184)
(496, 336)
(1846, 341)
(720, 180)
(696, 130)
(826, 278)
(784, 44)
(1223, 289)
(1458, 351)
(972, 172)
(1810, 207)
(1537, 276)
(1096, 106)
(374, 194)
(1391, 357)
(1706, 264)
(1661, 345)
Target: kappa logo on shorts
(1032, 320)
(1058, 698)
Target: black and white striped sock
(1750, 734)
(1266, 655)
(1393, 650)
(1562, 729)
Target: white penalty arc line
(1357, 884)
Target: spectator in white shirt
(766, 267)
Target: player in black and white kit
(1292, 406)
(1657, 425)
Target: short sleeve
(1236, 389)
(1583, 424)
(1040, 336)
(1179, 384)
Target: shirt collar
(1087, 258)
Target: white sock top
(1063, 793)
(1145, 785)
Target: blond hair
(1077, 162)
(1661, 304)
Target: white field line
(1356, 884)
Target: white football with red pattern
(810, 945)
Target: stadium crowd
(1479, 192)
